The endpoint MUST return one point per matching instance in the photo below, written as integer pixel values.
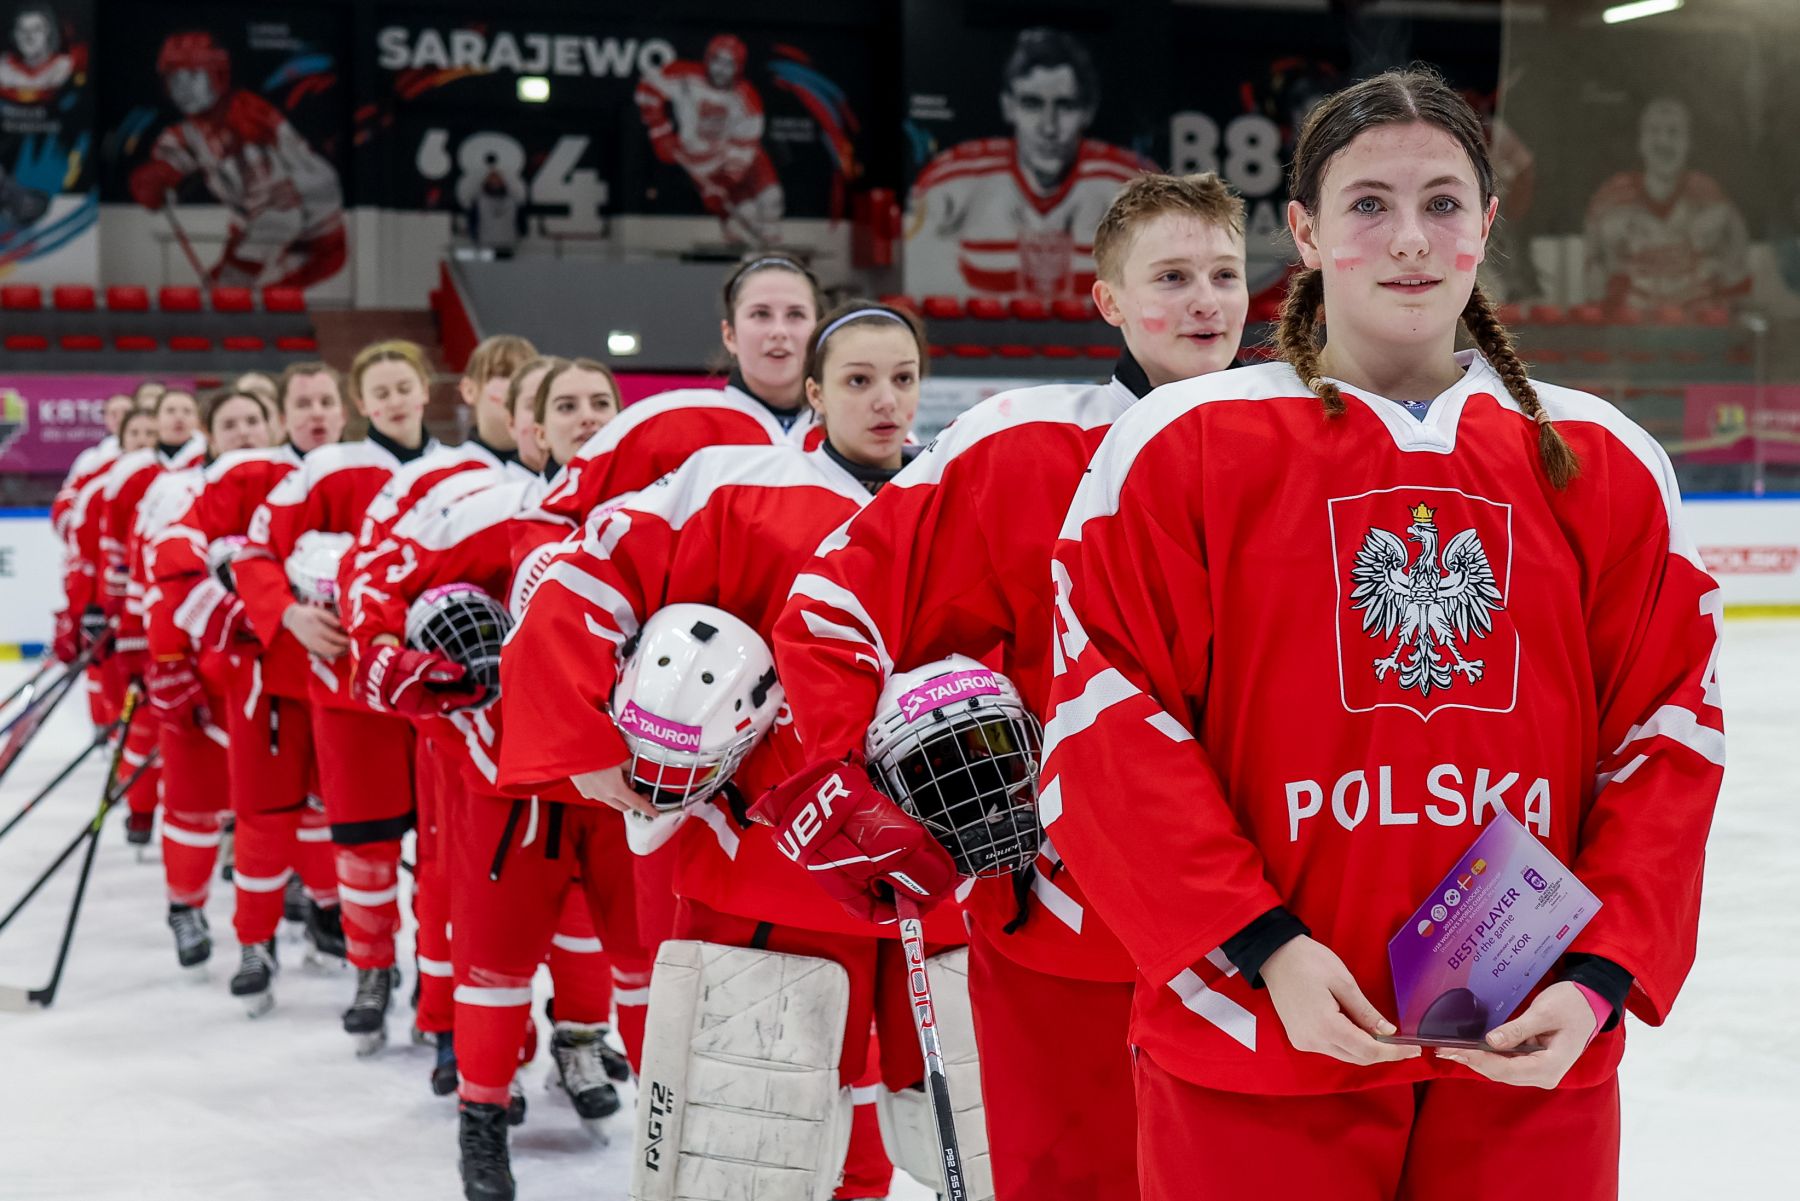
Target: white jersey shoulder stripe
(123, 468)
(448, 516)
(218, 468)
(652, 407)
(1098, 495)
(678, 496)
(1084, 405)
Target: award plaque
(1494, 925)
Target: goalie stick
(15, 998)
(937, 1083)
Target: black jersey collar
(405, 454)
(784, 417)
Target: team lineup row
(728, 682)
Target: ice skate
(584, 1070)
(193, 940)
(366, 1019)
(251, 984)
(138, 827)
(485, 1166)
(443, 1073)
(324, 935)
(293, 899)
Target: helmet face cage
(968, 773)
(466, 626)
(671, 779)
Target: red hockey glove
(214, 617)
(859, 845)
(67, 643)
(412, 683)
(151, 182)
(175, 692)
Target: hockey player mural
(284, 198)
(1015, 215)
(707, 118)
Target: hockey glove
(214, 617)
(94, 627)
(860, 846)
(392, 679)
(67, 643)
(175, 692)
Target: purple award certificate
(1495, 924)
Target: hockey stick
(937, 1084)
(100, 737)
(181, 237)
(29, 685)
(23, 728)
(16, 999)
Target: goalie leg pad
(907, 1126)
(739, 1094)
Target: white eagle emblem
(1431, 606)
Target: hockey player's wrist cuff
(1605, 977)
(1251, 947)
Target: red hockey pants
(366, 779)
(196, 792)
(1055, 1080)
(273, 775)
(513, 865)
(1408, 1142)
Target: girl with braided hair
(1319, 621)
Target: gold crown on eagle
(1422, 515)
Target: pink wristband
(1603, 1009)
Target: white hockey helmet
(312, 568)
(954, 745)
(466, 626)
(696, 692)
(219, 554)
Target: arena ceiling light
(1639, 8)
(622, 343)
(535, 89)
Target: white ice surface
(145, 1083)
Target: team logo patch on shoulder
(1423, 578)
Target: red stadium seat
(189, 342)
(134, 342)
(1669, 314)
(242, 342)
(938, 352)
(128, 298)
(1103, 350)
(284, 300)
(74, 298)
(1028, 308)
(82, 342)
(178, 299)
(233, 300)
(1626, 315)
(1596, 357)
(1588, 314)
(297, 344)
(943, 308)
(1074, 310)
(1714, 315)
(895, 300)
(21, 297)
(1014, 350)
(1510, 314)
(1547, 314)
(24, 342)
(1060, 352)
(969, 350)
(985, 308)
(1548, 356)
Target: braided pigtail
(1297, 336)
(1496, 343)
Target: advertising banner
(46, 420)
(30, 566)
(49, 206)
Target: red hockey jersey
(657, 434)
(232, 489)
(731, 528)
(329, 493)
(127, 480)
(473, 528)
(952, 557)
(89, 464)
(1301, 661)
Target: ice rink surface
(145, 1083)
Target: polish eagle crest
(1425, 605)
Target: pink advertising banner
(1725, 422)
(46, 420)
